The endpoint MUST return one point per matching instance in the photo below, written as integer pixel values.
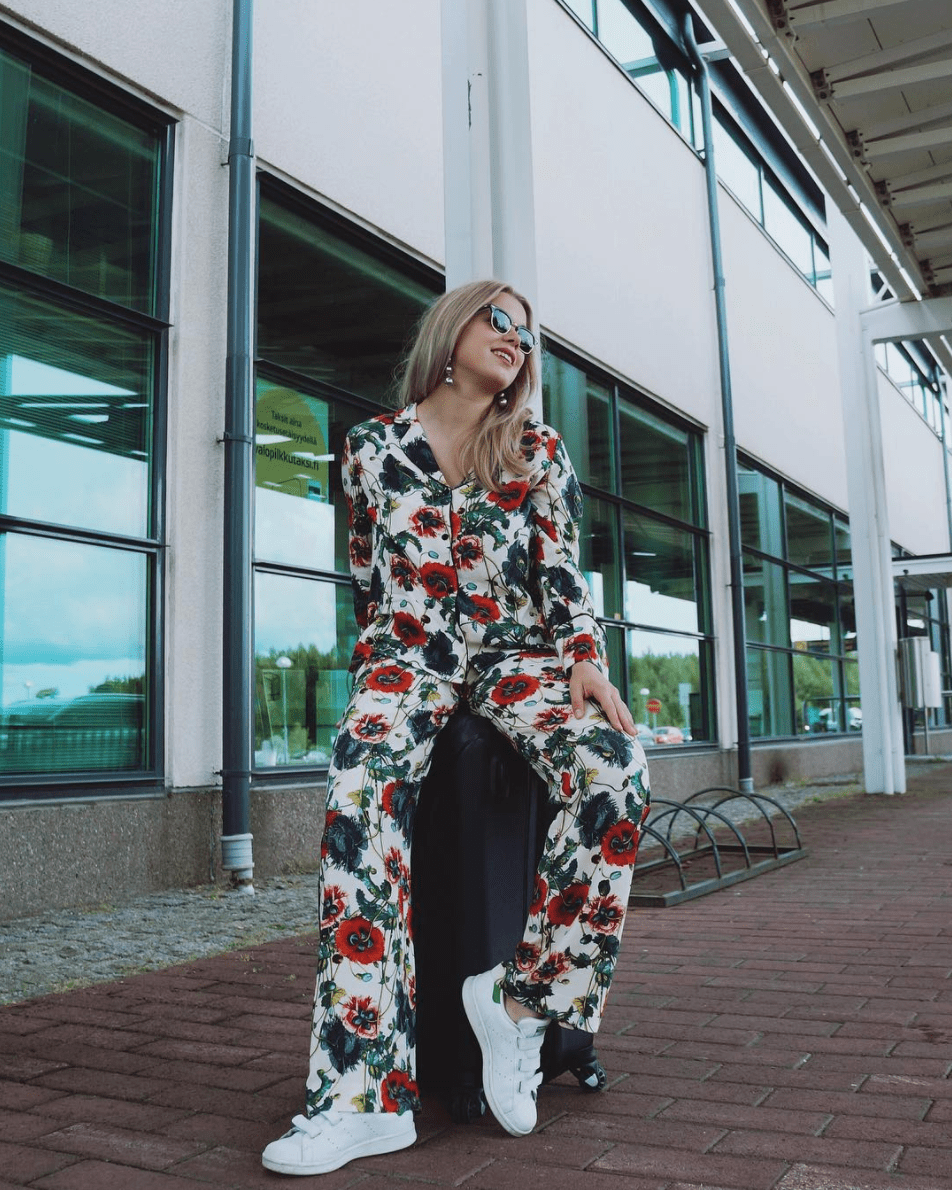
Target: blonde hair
(495, 447)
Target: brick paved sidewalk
(790, 1033)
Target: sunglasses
(500, 321)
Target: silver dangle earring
(448, 372)
(502, 401)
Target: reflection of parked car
(645, 735)
(94, 731)
(668, 735)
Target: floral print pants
(362, 1040)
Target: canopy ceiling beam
(834, 12)
(909, 51)
(918, 119)
(930, 139)
(885, 80)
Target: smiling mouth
(503, 354)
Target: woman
(464, 515)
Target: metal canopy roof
(927, 572)
(863, 88)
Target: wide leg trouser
(362, 1039)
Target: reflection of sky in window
(641, 644)
(291, 612)
(73, 615)
(802, 630)
(64, 482)
(651, 607)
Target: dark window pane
(656, 466)
(784, 227)
(73, 657)
(765, 602)
(75, 418)
(818, 707)
(761, 524)
(661, 582)
(304, 637)
(813, 622)
(580, 409)
(844, 549)
(329, 310)
(768, 693)
(78, 189)
(669, 669)
(808, 535)
(600, 555)
(737, 170)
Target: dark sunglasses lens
(500, 320)
(526, 340)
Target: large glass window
(334, 316)
(800, 622)
(644, 549)
(81, 219)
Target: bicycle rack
(687, 851)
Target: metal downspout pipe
(238, 687)
(745, 781)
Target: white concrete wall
(348, 103)
(915, 481)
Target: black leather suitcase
(478, 834)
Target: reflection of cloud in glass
(651, 607)
(31, 379)
(289, 528)
(641, 644)
(69, 605)
(291, 612)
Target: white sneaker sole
(472, 1009)
(366, 1148)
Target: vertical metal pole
(745, 780)
(238, 690)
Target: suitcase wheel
(467, 1105)
(591, 1075)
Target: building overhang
(863, 89)
(927, 572)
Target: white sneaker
(511, 1052)
(332, 1138)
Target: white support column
(489, 207)
(883, 753)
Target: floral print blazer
(431, 562)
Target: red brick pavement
(790, 1033)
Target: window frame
(148, 780)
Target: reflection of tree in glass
(128, 685)
(662, 674)
(307, 663)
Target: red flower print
(386, 798)
(605, 915)
(393, 862)
(566, 787)
(360, 1016)
(620, 844)
(581, 647)
(530, 441)
(438, 580)
(551, 719)
(565, 907)
(486, 609)
(540, 891)
(467, 551)
(411, 991)
(362, 651)
(333, 902)
(407, 630)
(390, 677)
(370, 727)
(359, 940)
(551, 447)
(546, 526)
(510, 495)
(359, 551)
(537, 549)
(328, 822)
(527, 955)
(456, 525)
(404, 573)
(398, 1092)
(514, 688)
(426, 522)
(555, 965)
